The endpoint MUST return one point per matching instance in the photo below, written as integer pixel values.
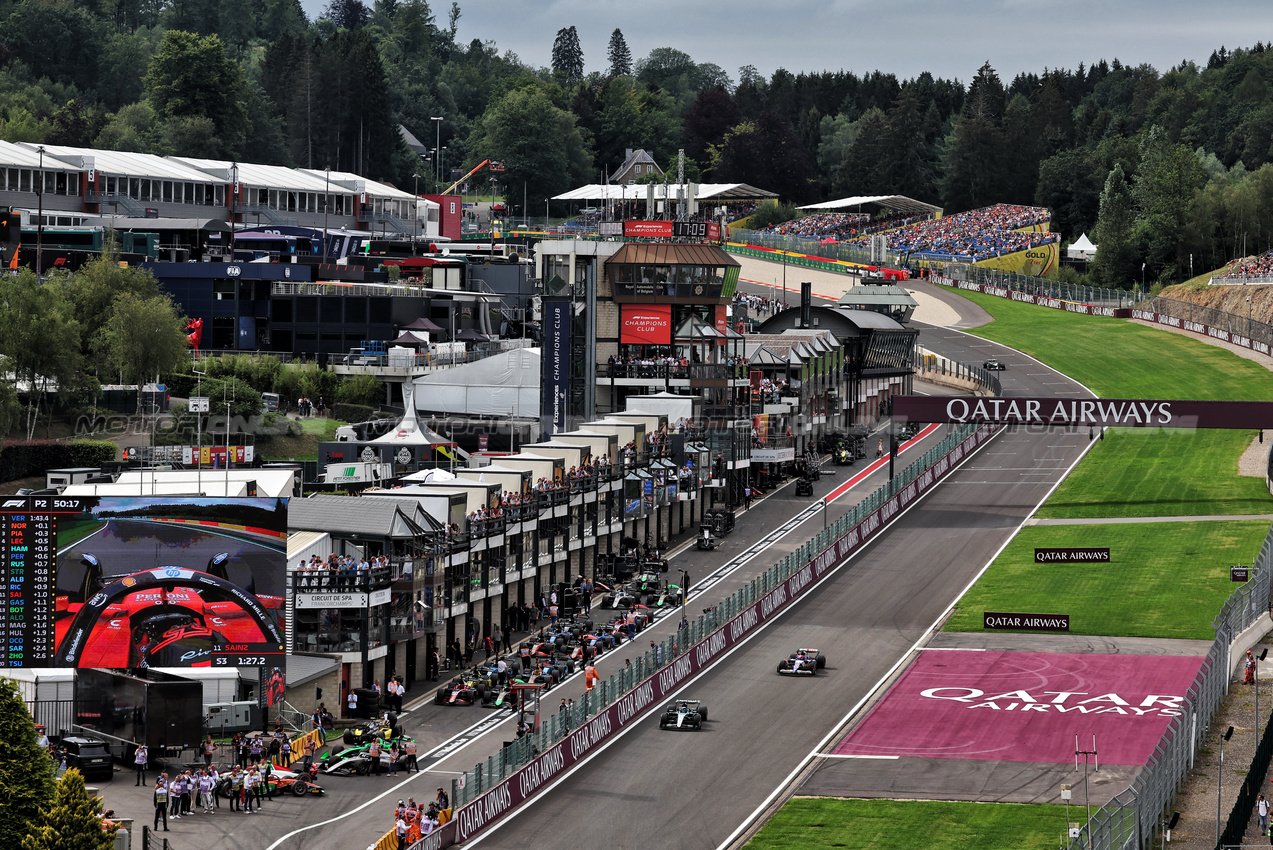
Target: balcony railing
(325, 578)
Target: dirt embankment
(1232, 299)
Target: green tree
(39, 338)
(537, 142)
(567, 56)
(72, 822)
(361, 389)
(92, 290)
(971, 168)
(1115, 255)
(26, 772)
(141, 338)
(619, 56)
(191, 76)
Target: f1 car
(385, 728)
(464, 690)
(355, 761)
(993, 365)
(804, 487)
(280, 781)
(706, 538)
(802, 662)
(165, 616)
(684, 714)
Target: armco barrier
(766, 597)
(1038, 300)
(1201, 329)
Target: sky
(952, 39)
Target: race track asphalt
(691, 790)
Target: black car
(804, 487)
(90, 757)
(993, 365)
(683, 714)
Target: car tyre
(822, 662)
(298, 788)
(702, 713)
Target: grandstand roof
(636, 192)
(901, 203)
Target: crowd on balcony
(343, 572)
(1261, 266)
(772, 389)
(974, 235)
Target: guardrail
(1233, 328)
(1044, 293)
(1128, 821)
(494, 788)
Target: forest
(1168, 170)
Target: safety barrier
(1129, 820)
(1041, 293)
(1242, 331)
(494, 789)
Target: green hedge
(351, 412)
(25, 458)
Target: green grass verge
(1170, 472)
(814, 823)
(1119, 359)
(1141, 474)
(1164, 580)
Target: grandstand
(1251, 269)
(976, 235)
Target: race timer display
(142, 582)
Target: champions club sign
(1111, 412)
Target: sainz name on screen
(170, 582)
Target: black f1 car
(683, 714)
(802, 662)
(385, 728)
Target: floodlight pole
(1087, 754)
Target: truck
(228, 699)
(354, 474)
(49, 694)
(160, 710)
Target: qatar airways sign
(1109, 412)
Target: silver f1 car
(683, 714)
(802, 662)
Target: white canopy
(901, 203)
(636, 192)
(500, 385)
(409, 432)
(674, 407)
(1081, 249)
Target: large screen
(142, 582)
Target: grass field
(1119, 359)
(1170, 472)
(816, 823)
(305, 447)
(1137, 473)
(1174, 574)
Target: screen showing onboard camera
(127, 582)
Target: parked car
(90, 756)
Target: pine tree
(72, 822)
(619, 55)
(26, 773)
(1114, 263)
(567, 55)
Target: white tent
(674, 407)
(409, 432)
(1081, 249)
(499, 385)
